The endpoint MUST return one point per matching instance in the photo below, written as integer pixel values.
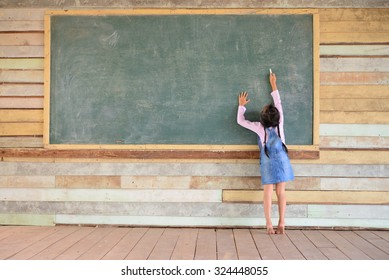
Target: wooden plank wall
(347, 187)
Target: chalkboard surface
(175, 79)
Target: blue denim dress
(276, 168)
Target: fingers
(244, 94)
(243, 98)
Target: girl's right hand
(243, 98)
(273, 80)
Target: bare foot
(270, 230)
(280, 229)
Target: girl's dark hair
(270, 117)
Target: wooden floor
(115, 243)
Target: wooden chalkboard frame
(235, 151)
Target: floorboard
(245, 245)
(186, 245)
(286, 247)
(206, 245)
(165, 246)
(345, 246)
(120, 243)
(265, 245)
(145, 246)
(369, 249)
(226, 248)
(375, 240)
(126, 244)
(305, 246)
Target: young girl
(275, 165)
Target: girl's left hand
(243, 98)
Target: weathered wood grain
(21, 39)
(355, 105)
(358, 14)
(359, 142)
(21, 90)
(21, 63)
(21, 115)
(8, 129)
(28, 194)
(354, 38)
(21, 76)
(354, 130)
(354, 50)
(22, 103)
(354, 64)
(22, 25)
(359, 117)
(21, 129)
(102, 182)
(354, 78)
(21, 142)
(21, 51)
(19, 13)
(311, 197)
(350, 26)
(354, 91)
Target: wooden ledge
(142, 154)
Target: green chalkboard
(175, 79)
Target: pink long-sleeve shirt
(257, 127)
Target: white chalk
(270, 71)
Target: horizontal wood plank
(21, 76)
(354, 50)
(337, 156)
(355, 105)
(355, 14)
(354, 38)
(21, 129)
(30, 102)
(8, 129)
(354, 91)
(103, 182)
(354, 78)
(21, 51)
(354, 64)
(107, 195)
(21, 64)
(21, 142)
(352, 130)
(339, 117)
(22, 14)
(354, 26)
(20, 115)
(354, 142)
(21, 90)
(21, 39)
(311, 197)
(22, 25)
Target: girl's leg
(281, 197)
(267, 195)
